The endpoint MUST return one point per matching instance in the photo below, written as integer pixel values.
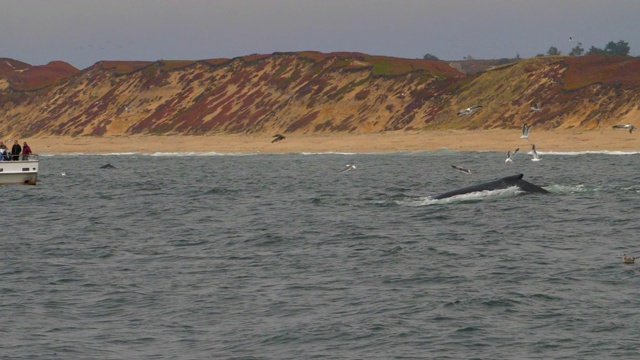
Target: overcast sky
(83, 32)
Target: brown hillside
(311, 92)
(9, 66)
(607, 70)
(24, 77)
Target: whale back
(503, 183)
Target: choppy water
(283, 257)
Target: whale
(504, 183)
(107, 166)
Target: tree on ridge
(430, 57)
(553, 51)
(578, 50)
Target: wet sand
(459, 140)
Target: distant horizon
(285, 52)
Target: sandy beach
(459, 140)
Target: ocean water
(205, 256)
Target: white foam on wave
(599, 152)
(159, 154)
(120, 154)
(440, 151)
(65, 154)
(566, 188)
(178, 154)
(328, 153)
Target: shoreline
(573, 140)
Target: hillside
(311, 92)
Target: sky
(83, 32)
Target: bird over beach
(348, 167)
(461, 169)
(525, 131)
(535, 108)
(469, 110)
(510, 155)
(625, 126)
(534, 153)
(277, 137)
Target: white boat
(20, 172)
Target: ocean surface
(207, 256)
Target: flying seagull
(510, 155)
(625, 126)
(277, 137)
(570, 38)
(535, 107)
(466, 171)
(348, 167)
(534, 153)
(525, 131)
(469, 110)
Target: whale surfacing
(504, 183)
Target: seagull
(627, 259)
(127, 108)
(466, 171)
(525, 131)
(63, 173)
(277, 137)
(469, 110)
(348, 167)
(510, 155)
(534, 153)
(625, 126)
(535, 108)
(570, 38)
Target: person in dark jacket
(16, 149)
(26, 151)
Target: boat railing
(30, 157)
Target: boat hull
(19, 172)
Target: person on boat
(3, 155)
(2, 145)
(26, 151)
(16, 149)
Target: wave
(566, 188)
(589, 152)
(193, 153)
(441, 151)
(328, 153)
(154, 154)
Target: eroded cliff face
(310, 92)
